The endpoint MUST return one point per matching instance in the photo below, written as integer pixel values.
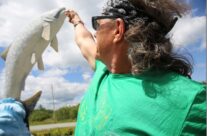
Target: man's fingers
(72, 15)
(68, 14)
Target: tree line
(64, 113)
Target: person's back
(153, 103)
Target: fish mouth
(59, 13)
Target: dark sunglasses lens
(94, 23)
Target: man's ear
(120, 30)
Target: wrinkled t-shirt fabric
(155, 103)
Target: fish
(27, 48)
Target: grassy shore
(55, 132)
(50, 121)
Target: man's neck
(119, 62)
(120, 66)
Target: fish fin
(40, 64)
(33, 58)
(46, 31)
(31, 102)
(54, 44)
(4, 53)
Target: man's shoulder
(185, 82)
(166, 80)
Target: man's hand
(73, 17)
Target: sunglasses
(95, 19)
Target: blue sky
(200, 5)
(67, 70)
(199, 55)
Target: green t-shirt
(153, 103)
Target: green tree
(67, 113)
(73, 112)
(40, 115)
(62, 113)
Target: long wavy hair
(149, 46)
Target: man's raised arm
(83, 38)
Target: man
(140, 87)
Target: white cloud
(188, 30)
(87, 76)
(65, 92)
(55, 72)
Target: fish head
(55, 18)
(54, 15)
